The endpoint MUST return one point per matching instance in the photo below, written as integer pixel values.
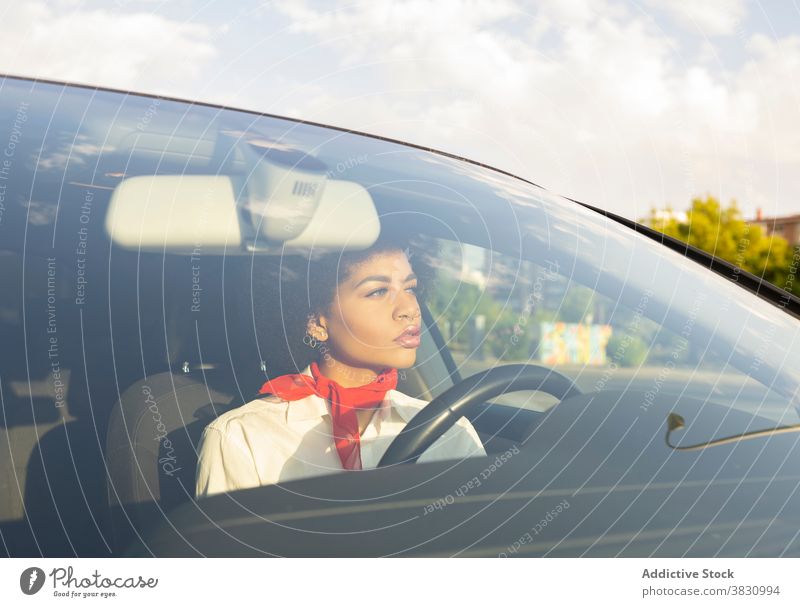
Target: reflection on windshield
(494, 308)
(630, 302)
(724, 326)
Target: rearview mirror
(288, 205)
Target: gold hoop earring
(312, 341)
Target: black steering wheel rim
(439, 415)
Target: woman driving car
(342, 411)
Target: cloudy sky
(621, 104)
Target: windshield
(110, 341)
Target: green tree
(724, 233)
(578, 302)
(626, 351)
(508, 334)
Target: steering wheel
(439, 415)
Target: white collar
(313, 406)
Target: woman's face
(370, 311)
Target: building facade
(786, 226)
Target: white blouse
(272, 440)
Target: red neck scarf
(344, 404)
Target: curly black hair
(286, 291)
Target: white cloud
(771, 77)
(711, 17)
(603, 108)
(101, 46)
